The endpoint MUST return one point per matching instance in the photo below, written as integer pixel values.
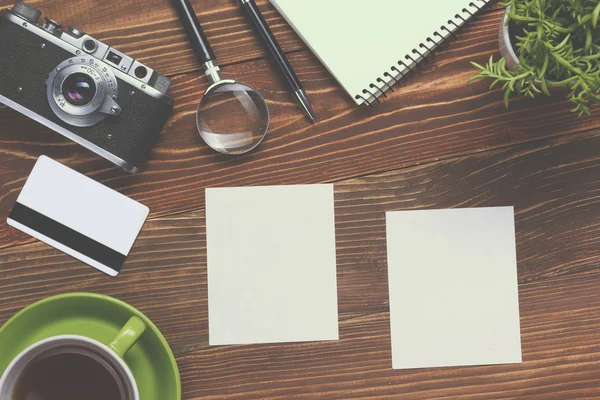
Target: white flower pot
(506, 49)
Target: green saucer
(97, 317)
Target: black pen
(260, 25)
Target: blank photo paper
(271, 264)
(453, 287)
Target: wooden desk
(437, 142)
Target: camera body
(81, 88)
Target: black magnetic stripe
(67, 236)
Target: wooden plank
(179, 143)
(149, 30)
(560, 327)
(433, 117)
(553, 185)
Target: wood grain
(554, 186)
(561, 352)
(444, 144)
(149, 30)
(434, 117)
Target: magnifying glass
(232, 117)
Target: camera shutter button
(51, 26)
(75, 32)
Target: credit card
(78, 215)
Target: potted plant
(546, 44)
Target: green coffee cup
(108, 356)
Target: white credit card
(78, 215)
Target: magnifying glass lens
(232, 117)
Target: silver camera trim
(68, 134)
(45, 35)
(104, 101)
(103, 52)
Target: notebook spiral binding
(387, 80)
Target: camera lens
(79, 89)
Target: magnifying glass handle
(194, 31)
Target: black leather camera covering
(25, 64)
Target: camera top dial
(82, 91)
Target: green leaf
(475, 78)
(586, 18)
(565, 63)
(506, 94)
(520, 18)
(544, 66)
(544, 87)
(477, 66)
(588, 40)
(562, 44)
(595, 15)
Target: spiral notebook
(370, 45)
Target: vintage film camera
(81, 87)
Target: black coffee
(67, 376)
